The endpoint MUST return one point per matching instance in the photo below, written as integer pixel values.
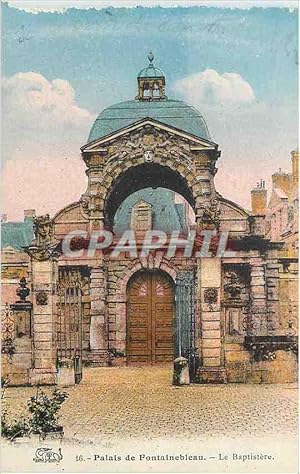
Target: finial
(22, 291)
(150, 57)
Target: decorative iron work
(185, 331)
(8, 330)
(69, 330)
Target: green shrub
(44, 411)
(41, 419)
(15, 428)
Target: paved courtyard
(141, 402)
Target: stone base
(42, 376)
(118, 361)
(97, 358)
(66, 375)
(211, 375)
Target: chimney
(259, 199)
(29, 214)
(282, 181)
(4, 218)
(295, 167)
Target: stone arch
(136, 175)
(137, 265)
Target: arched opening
(156, 209)
(150, 314)
(147, 175)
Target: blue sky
(96, 54)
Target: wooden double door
(150, 313)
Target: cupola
(151, 82)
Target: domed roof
(151, 102)
(175, 113)
(150, 70)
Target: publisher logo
(47, 455)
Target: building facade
(151, 164)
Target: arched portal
(150, 315)
(142, 176)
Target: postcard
(149, 312)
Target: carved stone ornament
(210, 296)
(41, 298)
(158, 142)
(232, 287)
(211, 213)
(148, 156)
(44, 246)
(43, 231)
(92, 203)
(11, 273)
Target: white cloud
(255, 138)
(210, 87)
(41, 117)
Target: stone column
(258, 325)
(99, 326)
(212, 367)
(44, 277)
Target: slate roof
(175, 113)
(166, 215)
(16, 234)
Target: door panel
(150, 318)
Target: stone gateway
(151, 165)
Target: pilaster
(44, 277)
(212, 367)
(258, 325)
(99, 323)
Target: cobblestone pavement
(141, 402)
